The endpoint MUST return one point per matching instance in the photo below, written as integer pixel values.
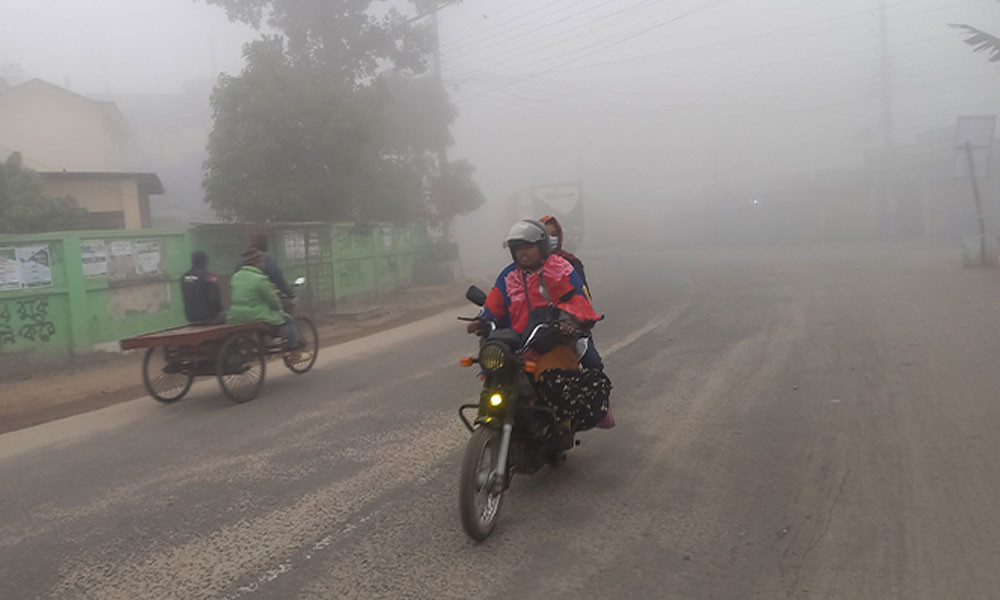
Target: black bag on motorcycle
(579, 396)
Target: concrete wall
(100, 286)
(129, 285)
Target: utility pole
(888, 133)
(442, 150)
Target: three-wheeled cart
(236, 355)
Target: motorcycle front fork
(500, 477)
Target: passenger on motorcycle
(592, 359)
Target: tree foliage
(346, 38)
(286, 145)
(332, 118)
(981, 41)
(24, 207)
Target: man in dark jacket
(200, 289)
(268, 265)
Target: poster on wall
(121, 248)
(36, 266)
(147, 257)
(10, 271)
(94, 254)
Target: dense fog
(690, 121)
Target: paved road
(816, 423)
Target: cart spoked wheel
(303, 359)
(241, 365)
(167, 378)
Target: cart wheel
(307, 355)
(166, 379)
(240, 366)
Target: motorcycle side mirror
(299, 281)
(475, 295)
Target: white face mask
(553, 243)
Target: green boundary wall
(101, 286)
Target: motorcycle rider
(536, 279)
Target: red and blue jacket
(517, 292)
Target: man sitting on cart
(200, 290)
(254, 299)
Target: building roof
(149, 183)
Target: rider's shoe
(608, 422)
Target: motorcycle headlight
(492, 357)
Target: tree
(981, 41)
(343, 38)
(24, 208)
(286, 145)
(330, 119)
(453, 193)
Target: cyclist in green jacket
(254, 299)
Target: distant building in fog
(80, 147)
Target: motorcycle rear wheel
(480, 494)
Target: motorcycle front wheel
(481, 487)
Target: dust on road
(807, 424)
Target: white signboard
(36, 265)
(386, 237)
(562, 198)
(94, 254)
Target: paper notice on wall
(10, 270)
(121, 248)
(295, 246)
(36, 265)
(147, 257)
(94, 254)
(387, 237)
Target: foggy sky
(716, 93)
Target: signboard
(974, 134)
(94, 254)
(36, 265)
(562, 198)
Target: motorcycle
(515, 429)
